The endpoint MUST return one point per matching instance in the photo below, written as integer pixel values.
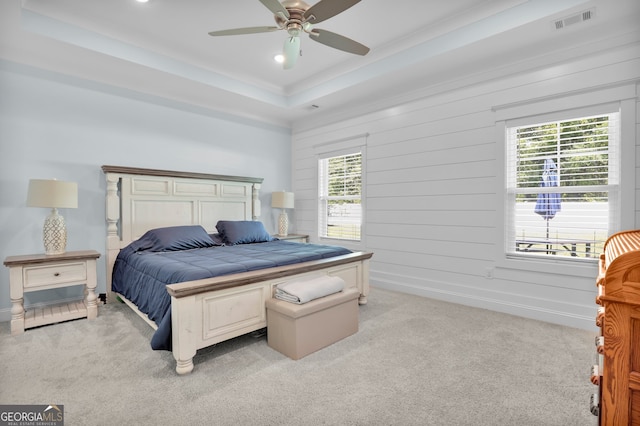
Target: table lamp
(282, 200)
(53, 194)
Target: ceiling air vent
(574, 19)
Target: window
(340, 192)
(562, 186)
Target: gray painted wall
(64, 128)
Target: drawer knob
(600, 344)
(594, 404)
(600, 316)
(57, 274)
(595, 374)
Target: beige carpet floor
(414, 361)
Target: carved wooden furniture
(41, 272)
(617, 373)
(205, 312)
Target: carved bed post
(365, 282)
(113, 217)
(256, 201)
(183, 324)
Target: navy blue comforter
(142, 276)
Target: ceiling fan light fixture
(291, 51)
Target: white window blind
(562, 186)
(340, 192)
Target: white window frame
(334, 148)
(612, 188)
(323, 198)
(555, 108)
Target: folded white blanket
(304, 291)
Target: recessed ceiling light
(279, 58)
(142, 1)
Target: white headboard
(141, 199)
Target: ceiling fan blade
(326, 9)
(248, 30)
(338, 42)
(276, 7)
(291, 52)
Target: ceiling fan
(297, 17)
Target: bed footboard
(206, 312)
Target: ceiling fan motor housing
(296, 11)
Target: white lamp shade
(282, 200)
(53, 194)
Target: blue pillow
(174, 238)
(242, 231)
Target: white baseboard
(531, 311)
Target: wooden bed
(207, 311)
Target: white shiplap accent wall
(433, 185)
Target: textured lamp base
(54, 234)
(283, 224)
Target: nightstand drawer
(52, 275)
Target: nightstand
(297, 238)
(35, 272)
